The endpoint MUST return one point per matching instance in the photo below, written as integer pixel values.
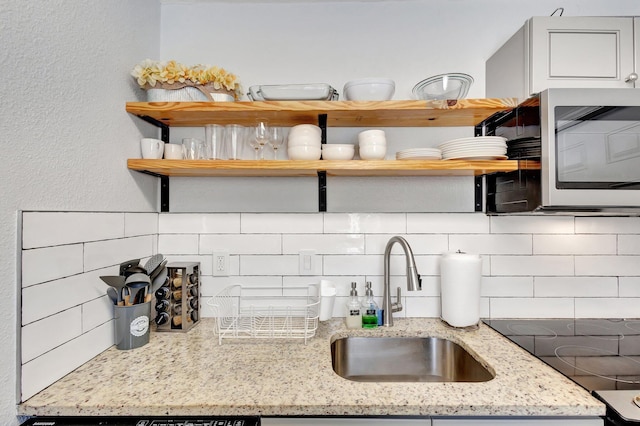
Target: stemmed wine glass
(276, 138)
(261, 134)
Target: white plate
(426, 157)
(478, 139)
(476, 157)
(487, 151)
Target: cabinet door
(580, 52)
(518, 421)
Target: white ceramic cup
(151, 148)
(173, 151)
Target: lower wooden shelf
(248, 168)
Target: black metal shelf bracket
(164, 129)
(322, 175)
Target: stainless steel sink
(405, 359)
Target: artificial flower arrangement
(173, 75)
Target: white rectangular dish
(293, 92)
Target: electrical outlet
(307, 262)
(221, 263)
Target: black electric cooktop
(601, 355)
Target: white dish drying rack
(262, 313)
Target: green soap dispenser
(370, 309)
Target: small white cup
(151, 148)
(173, 151)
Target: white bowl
(369, 89)
(373, 143)
(338, 151)
(305, 129)
(304, 140)
(304, 152)
(372, 136)
(373, 152)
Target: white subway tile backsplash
(140, 224)
(282, 223)
(420, 244)
(241, 243)
(506, 286)
(607, 308)
(48, 333)
(532, 265)
(96, 312)
(365, 223)
(50, 263)
(43, 229)
(491, 244)
(532, 225)
(607, 225)
(447, 223)
(353, 265)
(629, 287)
(42, 300)
(44, 370)
(271, 265)
(101, 254)
(191, 223)
(574, 244)
(421, 307)
(629, 244)
(324, 243)
(575, 287)
(608, 265)
(178, 244)
(517, 307)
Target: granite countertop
(190, 374)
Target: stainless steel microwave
(587, 142)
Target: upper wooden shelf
(208, 168)
(408, 113)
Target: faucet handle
(397, 307)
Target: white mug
(173, 151)
(151, 148)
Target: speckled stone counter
(190, 374)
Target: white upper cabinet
(565, 52)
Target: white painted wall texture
(65, 133)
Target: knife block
(178, 301)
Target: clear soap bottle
(370, 309)
(353, 318)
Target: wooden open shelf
(408, 113)
(204, 168)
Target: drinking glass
(276, 138)
(234, 135)
(192, 148)
(261, 137)
(214, 136)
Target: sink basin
(405, 359)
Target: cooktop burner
(597, 354)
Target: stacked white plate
(478, 148)
(419, 154)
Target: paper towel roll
(460, 276)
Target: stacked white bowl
(304, 142)
(338, 151)
(372, 144)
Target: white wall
(65, 133)
(333, 42)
